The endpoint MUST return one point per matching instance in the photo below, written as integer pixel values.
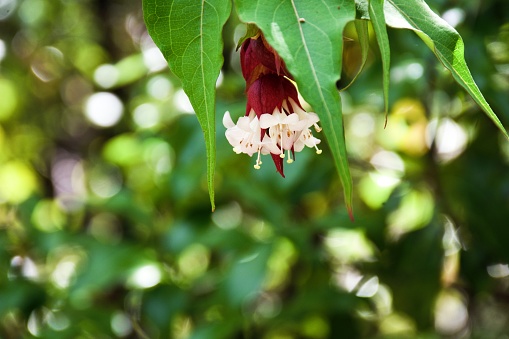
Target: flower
(243, 136)
(275, 122)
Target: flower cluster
(275, 122)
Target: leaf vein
(315, 76)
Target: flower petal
(243, 124)
(268, 120)
(227, 120)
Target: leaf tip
(349, 208)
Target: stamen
(318, 151)
(289, 160)
(317, 128)
(258, 161)
(282, 155)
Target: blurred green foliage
(105, 222)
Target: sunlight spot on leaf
(10, 99)
(397, 325)
(450, 240)
(17, 182)
(105, 182)
(449, 137)
(263, 306)
(347, 246)
(154, 59)
(106, 75)
(181, 101)
(388, 162)
(34, 324)
(410, 71)
(159, 87)
(158, 155)
(145, 276)
(32, 11)
(220, 79)
(26, 266)
(3, 50)
(64, 272)
(47, 63)
(349, 278)
(68, 176)
(362, 125)
(121, 324)
(384, 181)
(369, 288)
(227, 217)
(414, 212)
(454, 16)
(383, 300)
(7, 8)
(498, 270)
(146, 115)
(58, 321)
(375, 188)
(452, 246)
(415, 70)
(48, 216)
(260, 230)
(104, 109)
(193, 261)
(451, 314)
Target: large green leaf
(443, 39)
(376, 13)
(308, 36)
(188, 33)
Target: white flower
(306, 138)
(245, 135)
(310, 118)
(283, 129)
(291, 132)
(273, 133)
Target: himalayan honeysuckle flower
(275, 122)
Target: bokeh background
(106, 229)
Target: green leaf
(361, 26)
(251, 31)
(188, 33)
(443, 39)
(376, 13)
(308, 36)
